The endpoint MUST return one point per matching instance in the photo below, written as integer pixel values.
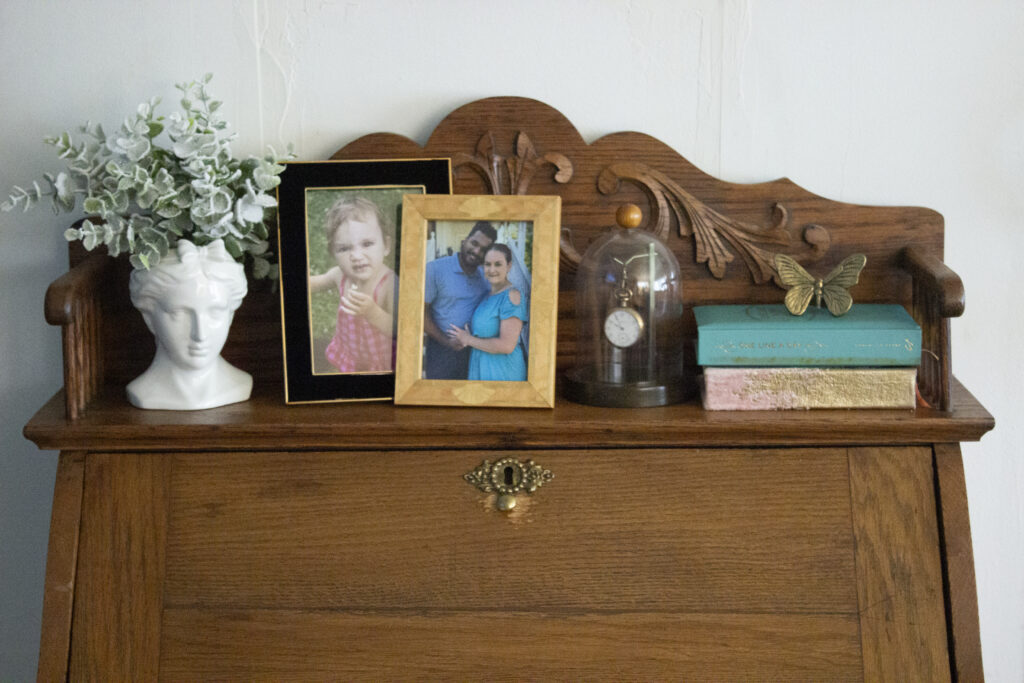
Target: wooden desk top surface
(265, 423)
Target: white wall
(868, 102)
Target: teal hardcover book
(768, 335)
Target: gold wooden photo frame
(451, 271)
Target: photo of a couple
(477, 300)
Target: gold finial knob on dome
(629, 216)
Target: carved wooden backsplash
(725, 235)
(509, 145)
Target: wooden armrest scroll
(66, 294)
(74, 301)
(934, 275)
(938, 296)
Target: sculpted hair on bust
(360, 209)
(187, 264)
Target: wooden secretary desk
(340, 541)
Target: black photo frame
(306, 189)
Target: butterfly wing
(799, 282)
(847, 272)
(790, 272)
(798, 298)
(837, 299)
(834, 285)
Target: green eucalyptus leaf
(180, 224)
(233, 247)
(256, 247)
(114, 246)
(115, 202)
(90, 241)
(65, 187)
(166, 209)
(260, 267)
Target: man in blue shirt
(454, 287)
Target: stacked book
(763, 358)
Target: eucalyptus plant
(143, 194)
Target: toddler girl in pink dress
(359, 237)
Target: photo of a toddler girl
(359, 244)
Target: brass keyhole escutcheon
(508, 477)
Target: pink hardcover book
(789, 388)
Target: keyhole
(508, 476)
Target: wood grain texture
(934, 370)
(266, 423)
(937, 279)
(325, 645)
(119, 589)
(61, 565)
(80, 282)
(899, 572)
(664, 530)
(958, 556)
(74, 301)
(938, 295)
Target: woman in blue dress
(493, 332)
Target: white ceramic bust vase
(188, 301)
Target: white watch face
(623, 326)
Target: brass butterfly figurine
(832, 288)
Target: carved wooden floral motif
(512, 175)
(716, 235)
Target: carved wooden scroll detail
(512, 174)
(716, 235)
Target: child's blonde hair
(357, 208)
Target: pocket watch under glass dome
(630, 308)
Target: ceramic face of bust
(188, 301)
(191, 322)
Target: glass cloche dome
(629, 309)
